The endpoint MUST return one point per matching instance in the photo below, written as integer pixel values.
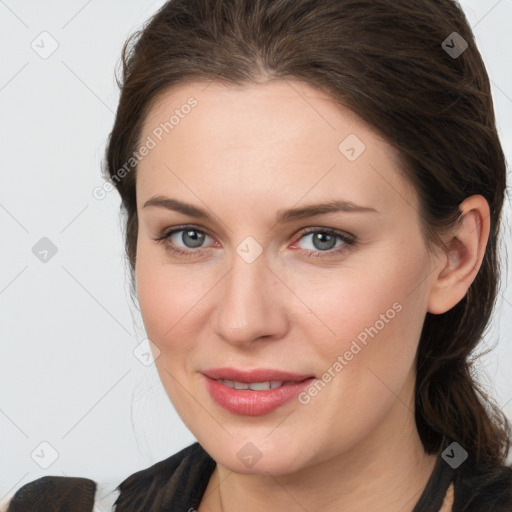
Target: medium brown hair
(384, 60)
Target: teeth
(255, 386)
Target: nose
(249, 304)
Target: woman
(313, 194)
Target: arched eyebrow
(311, 210)
(282, 216)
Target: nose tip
(247, 306)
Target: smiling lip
(251, 402)
(258, 375)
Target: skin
(243, 154)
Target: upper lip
(256, 375)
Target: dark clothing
(55, 494)
(179, 482)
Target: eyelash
(348, 241)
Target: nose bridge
(247, 305)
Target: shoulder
(55, 493)
(488, 489)
(171, 484)
(177, 479)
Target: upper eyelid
(299, 234)
(168, 232)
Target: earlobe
(459, 266)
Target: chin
(258, 456)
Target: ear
(466, 249)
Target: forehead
(281, 133)
(257, 107)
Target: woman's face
(269, 280)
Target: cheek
(166, 298)
(374, 316)
(168, 303)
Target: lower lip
(253, 403)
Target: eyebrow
(286, 215)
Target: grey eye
(195, 238)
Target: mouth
(256, 386)
(258, 375)
(254, 392)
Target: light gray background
(68, 374)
